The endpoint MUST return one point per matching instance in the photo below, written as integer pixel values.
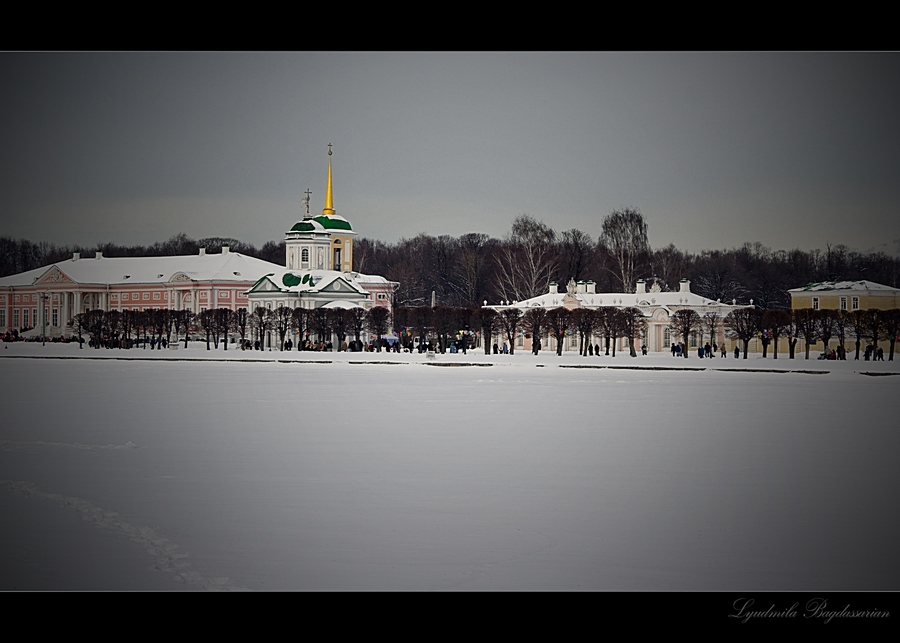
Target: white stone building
(657, 306)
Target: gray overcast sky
(790, 149)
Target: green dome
(306, 226)
(332, 223)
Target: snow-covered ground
(189, 474)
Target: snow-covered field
(266, 475)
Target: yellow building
(845, 295)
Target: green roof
(303, 226)
(330, 223)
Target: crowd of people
(707, 350)
(14, 336)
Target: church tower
(324, 242)
(342, 233)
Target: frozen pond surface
(135, 474)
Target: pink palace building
(320, 254)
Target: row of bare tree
(444, 323)
(125, 328)
(441, 325)
(813, 326)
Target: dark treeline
(467, 270)
(19, 255)
(473, 268)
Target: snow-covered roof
(342, 303)
(856, 286)
(324, 224)
(597, 300)
(373, 280)
(307, 225)
(227, 266)
(334, 222)
(310, 281)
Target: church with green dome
(319, 266)
(324, 242)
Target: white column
(64, 310)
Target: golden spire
(329, 199)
